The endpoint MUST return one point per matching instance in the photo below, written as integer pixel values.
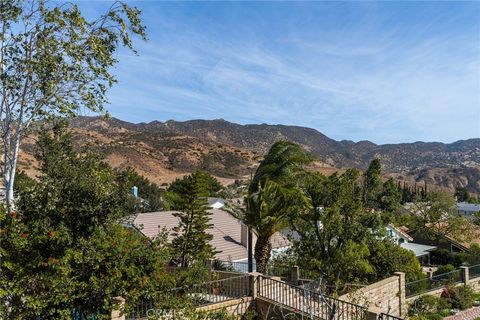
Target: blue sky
(384, 71)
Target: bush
(445, 269)
(443, 257)
(462, 297)
(432, 316)
(428, 305)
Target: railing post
(294, 275)
(465, 275)
(118, 306)
(255, 283)
(372, 313)
(402, 305)
(430, 274)
(209, 264)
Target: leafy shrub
(445, 269)
(432, 316)
(443, 257)
(428, 305)
(462, 297)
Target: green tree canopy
(372, 184)
(150, 195)
(64, 249)
(283, 163)
(269, 210)
(208, 185)
(390, 196)
(437, 217)
(462, 194)
(339, 239)
(53, 62)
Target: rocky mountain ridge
(231, 150)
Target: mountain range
(164, 150)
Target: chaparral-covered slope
(164, 150)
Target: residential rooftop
(226, 231)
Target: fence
(436, 282)
(474, 271)
(308, 302)
(276, 270)
(198, 295)
(216, 291)
(141, 310)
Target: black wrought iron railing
(196, 295)
(306, 302)
(141, 310)
(216, 291)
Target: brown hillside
(163, 151)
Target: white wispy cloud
(379, 81)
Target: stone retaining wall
(475, 284)
(388, 295)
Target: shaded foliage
(63, 249)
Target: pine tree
(191, 240)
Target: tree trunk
(263, 248)
(10, 171)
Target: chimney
(135, 191)
(243, 234)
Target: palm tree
(273, 195)
(268, 211)
(283, 163)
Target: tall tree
(339, 239)
(53, 61)
(372, 183)
(270, 194)
(269, 210)
(390, 196)
(436, 217)
(209, 184)
(462, 194)
(333, 233)
(283, 163)
(191, 241)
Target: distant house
(397, 235)
(229, 233)
(448, 241)
(400, 236)
(468, 209)
(456, 245)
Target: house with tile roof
(229, 233)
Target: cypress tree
(372, 184)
